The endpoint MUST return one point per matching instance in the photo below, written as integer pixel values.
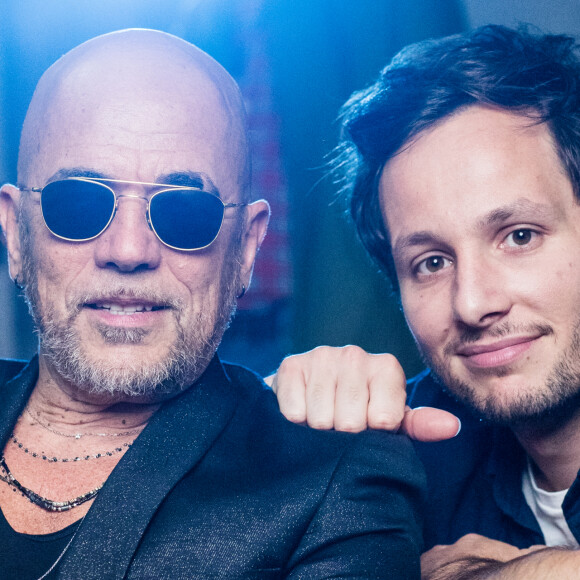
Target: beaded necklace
(52, 459)
(43, 502)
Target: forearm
(543, 564)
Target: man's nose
(480, 291)
(128, 244)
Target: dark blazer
(220, 485)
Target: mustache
(469, 335)
(140, 293)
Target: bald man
(129, 450)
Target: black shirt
(29, 556)
(475, 480)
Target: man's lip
(475, 349)
(496, 354)
(124, 304)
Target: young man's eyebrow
(521, 209)
(420, 238)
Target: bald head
(144, 97)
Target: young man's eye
(521, 237)
(432, 265)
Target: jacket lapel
(15, 394)
(174, 441)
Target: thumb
(429, 424)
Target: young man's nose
(480, 292)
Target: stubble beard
(185, 361)
(544, 406)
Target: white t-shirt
(547, 507)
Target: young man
(463, 166)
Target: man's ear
(257, 218)
(9, 217)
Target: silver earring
(18, 284)
(241, 294)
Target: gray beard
(544, 408)
(186, 360)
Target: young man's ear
(9, 217)
(257, 218)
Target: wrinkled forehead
(136, 108)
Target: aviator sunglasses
(79, 209)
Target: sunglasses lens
(186, 219)
(76, 209)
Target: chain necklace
(61, 555)
(79, 435)
(43, 502)
(53, 459)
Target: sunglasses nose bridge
(118, 196)
(144, 198)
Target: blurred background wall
(296, 61)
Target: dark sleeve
(369, 523)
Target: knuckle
(353, 353)
(467, 539)
(290, 365)
(386, 420)
(304, 363)
(350, 426)
(320, 423)
(388, 362)
(294, 416)
(323, 350)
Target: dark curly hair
(536, 76)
